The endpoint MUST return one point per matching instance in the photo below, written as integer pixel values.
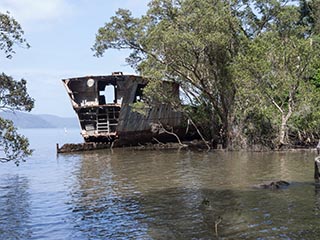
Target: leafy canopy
(229, 57)
(13, 95)
(189, 42)
(11, 34)
(274, 69)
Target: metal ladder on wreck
(107, 120)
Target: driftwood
(201, 136)
(216, 223)
(159, 128)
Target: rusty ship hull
(103, 105)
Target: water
(126, 194)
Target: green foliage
(315, 80)
(140, 107)
(306, 121)
(13, 95)
(258, 129)
(13, 146)
(188, 42)
(11, 34)
(274, 66)
(230, 58)
(310, 15)
(202, 115)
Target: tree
(275, 67)
(309, 10)
(13, 95)
(231, 58)
(191, 42)
(307, 121)
(11, 34)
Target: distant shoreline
(62, 128)
(27, 120)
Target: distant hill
(27, 120)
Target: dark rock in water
(274, 185)
(205, 202)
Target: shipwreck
(104, 106)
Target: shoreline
(186, 145)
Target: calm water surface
(125, 194)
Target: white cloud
(26, 11)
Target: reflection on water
(15, 208)
(125, 194)
(160, 195)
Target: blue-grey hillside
(27, 120)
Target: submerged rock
(280, 184)
(205, 202)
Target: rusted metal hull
(141, 137)
(111, 119)
(80, 147)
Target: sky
(61, 34)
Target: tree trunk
(283, 135)
(226, 133)
(283, 131)
(214, 129)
